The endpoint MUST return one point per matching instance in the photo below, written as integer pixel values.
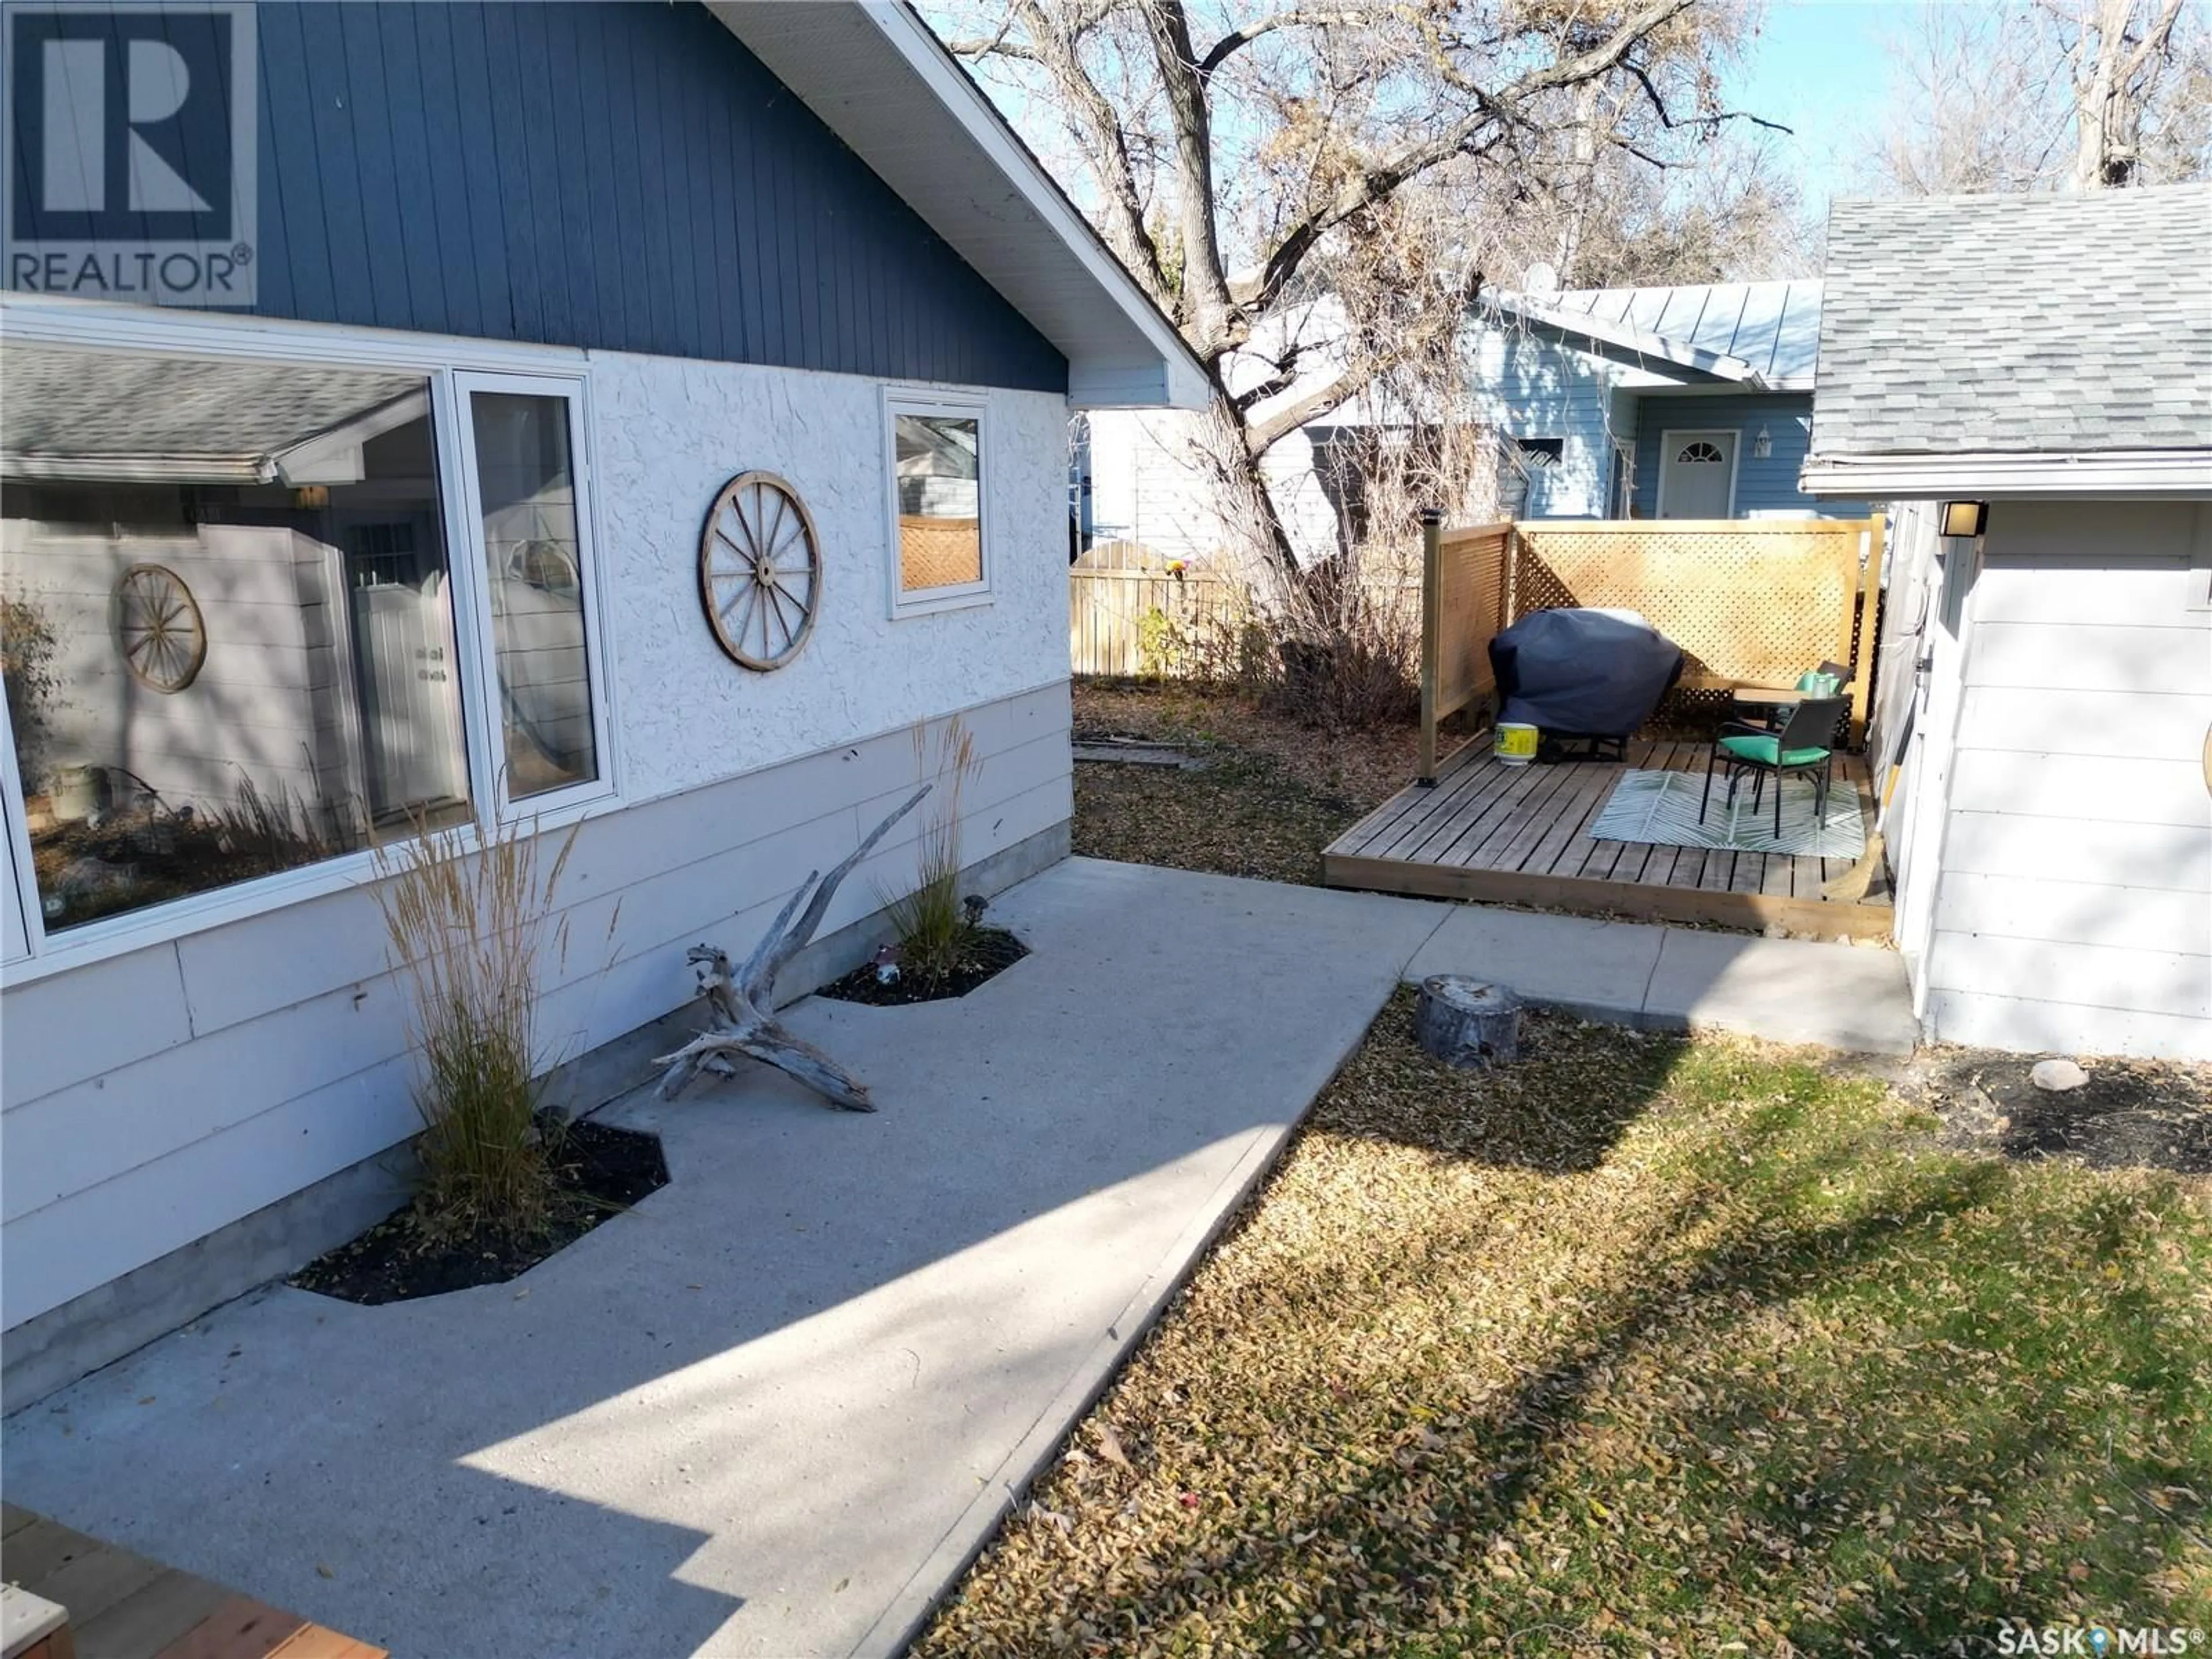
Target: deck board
(1521, 834)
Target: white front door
(1697, 475)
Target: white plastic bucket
(1514, 743)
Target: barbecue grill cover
(1583, 673)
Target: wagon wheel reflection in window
(158, 624)
(759, 571)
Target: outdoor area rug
(1661, 808)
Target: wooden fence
(1152, 623)
(1752, 603)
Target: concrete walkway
(1676, 979)
(774, 1409)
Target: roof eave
(2172, 473)
(921, 123)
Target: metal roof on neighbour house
(2022, 325)
(1773, 328)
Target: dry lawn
(1641, 1346)
(1273, 794)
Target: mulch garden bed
(988, 952)
(602, 1171)
(1271, 795)
(2134, 1113)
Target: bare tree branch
(1260, 436)
(1472, 135)
(1641, 77)
(1237, 39)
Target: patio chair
(1825, 681)
(1801, 745)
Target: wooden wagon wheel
(759, 571)
(158, 622)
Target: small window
(1698, 452)
(527, 491)
(937, 507)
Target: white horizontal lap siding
(261, 1056)
(264, 1055)
(2074, 909)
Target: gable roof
(880, 79)
(1765, 335)
(1962, 329)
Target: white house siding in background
(1150, 484)
(2074, 907)
(262, 594)
(261, 1057)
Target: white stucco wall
(262, 1054)
(670, 432)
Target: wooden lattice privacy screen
(1751, 602)
(1463, 599)
(937, 552)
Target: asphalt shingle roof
(64, 404)
(1994, 323)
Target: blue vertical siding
(1761, 486)
(1532, 387)
(620, 176)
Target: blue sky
(1820, 67)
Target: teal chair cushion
(1760, 750)
(1814, 683)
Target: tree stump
(1464, 1022)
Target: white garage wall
(2074, 911)
(150, 1098)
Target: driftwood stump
(740, 1003)
(1464, 1022)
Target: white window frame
(959, 406)
(1673, 436)
(487, 731)
(447, 363)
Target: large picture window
(937, 510)
(238, 601)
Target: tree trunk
(1464, 1022)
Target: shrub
(466, 927)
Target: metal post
(1431, 636)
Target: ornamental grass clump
(467, 928)
(936, 935)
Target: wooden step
(122, 1606)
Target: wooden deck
(1518, 834)
(122, 1606)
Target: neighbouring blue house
(1654, 403)
(1647, 403)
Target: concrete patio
(775, 1407)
